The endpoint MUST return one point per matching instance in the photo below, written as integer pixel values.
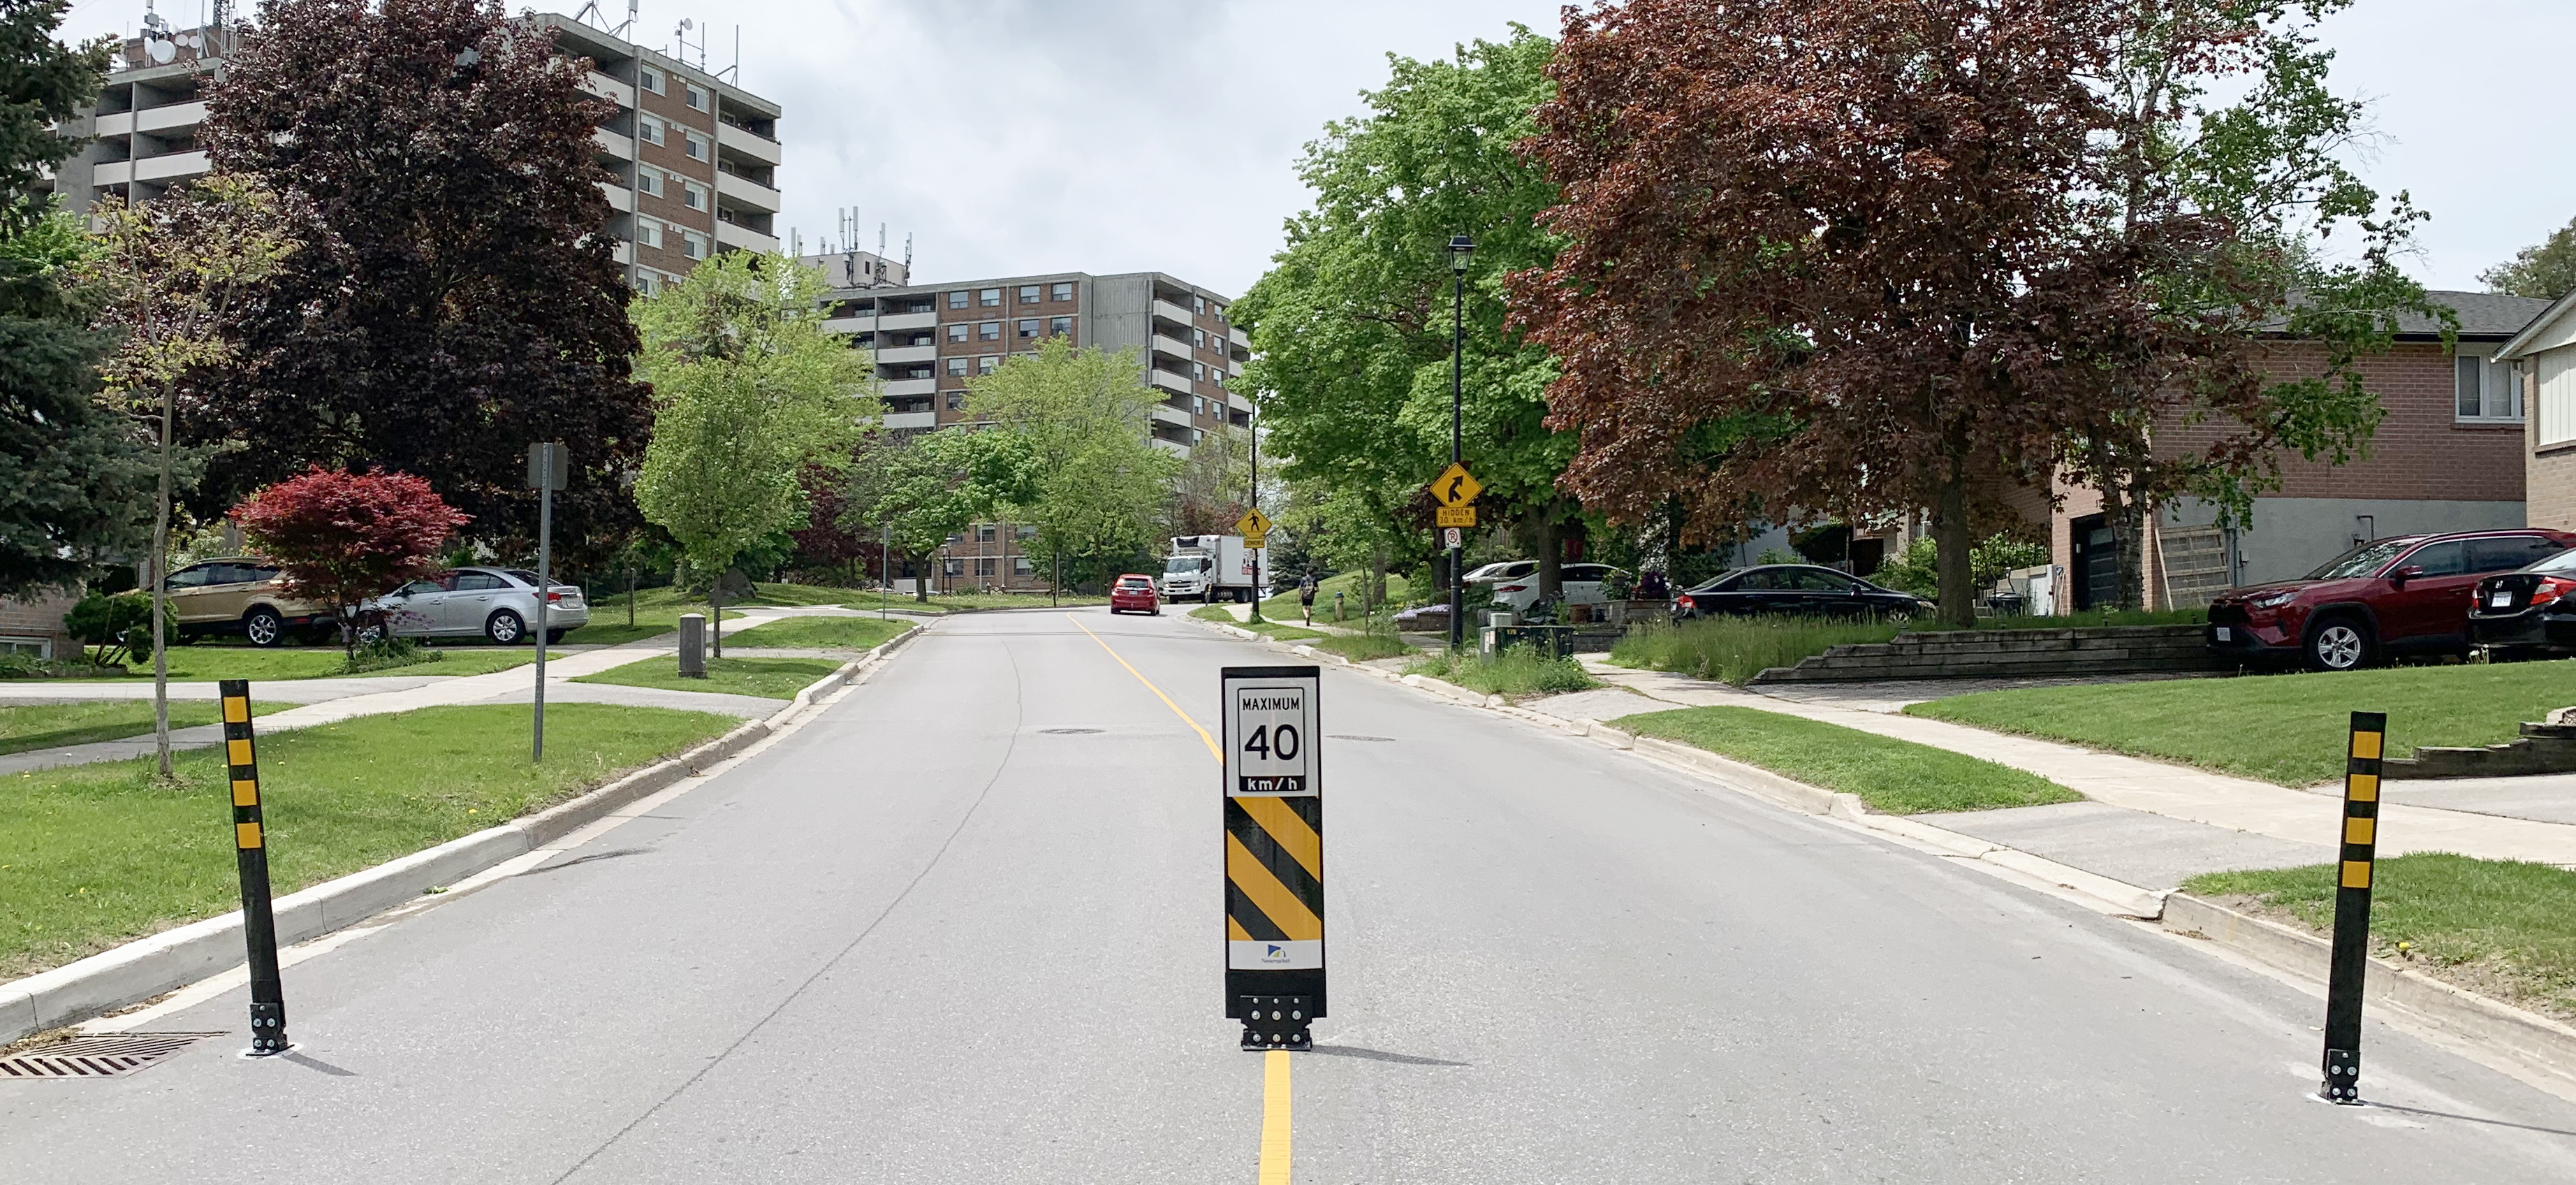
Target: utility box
(1551, 641)
(693, 645)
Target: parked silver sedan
(498, 603)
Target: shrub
(381, 652)
(1518, 670)
(117, 629)
(1735, 649)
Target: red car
(1134, 592)
(2406, 594)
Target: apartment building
(695, 157)
(930, 339)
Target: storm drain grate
(1068, 732)
(108, 1055)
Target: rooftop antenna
(735, 70)
(592, 16)
(907, 257)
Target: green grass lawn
(845, 633)
(658, 610)
(1517, 670)
(95, 855)
(203, 663)
(1274, 630)
(1364, 647)
(2502, 927)
(1892, 776)
(2288, 729)
(47, 726)
(1399, 591)
(774, 678)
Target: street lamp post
(1254, 427)
(1459, 249)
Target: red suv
(2407, 594)
(1135, 593)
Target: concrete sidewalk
(329, 701)
(2164, 822)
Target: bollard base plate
(1277, 1022)
(2342, 1083)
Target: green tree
(42, 82)
(168, 276)
(919, 488)
(1351, 327)
(749, 390)
(2544, 271)
(1081, 467)
(459, 300)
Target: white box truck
(1210, 568)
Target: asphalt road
(929, 938)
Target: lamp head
(1459, 249)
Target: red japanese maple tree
(341, 538)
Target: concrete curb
(174, 958)
(2536, 1043)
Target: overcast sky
(1017, 136)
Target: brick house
(33, 624)
(2541, 362)
(2449, 456)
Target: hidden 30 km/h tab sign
(1274, 853)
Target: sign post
(250, 854)
(2350, 960)
(1254, 526)
(1456, 489)
(547, 464)
(1274, 853)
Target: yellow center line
(1210, 741)
(1274, 1068)
(1274, 1118)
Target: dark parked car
(1804, 590)
(2533, 610)
(2400, 595)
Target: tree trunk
(161, 597)
(1551, 552)
(1950, 535)
(1374, 594)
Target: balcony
(749, 145)
(620, 198)
(743, 193)
(177, 166)
(1174, 447)
(1238, 403)
(609, 88)
(912, 419)
(1173, 313)
(1165, 413)
(119, 124)
(1241, 340)
(174, 116)
(623, 253)
(731, 237)
(1174, 348)
(902, 355)
(115, 172)
(1170, 382)
(849, 325)
(908, 388)
(897, 321)
(613, 145)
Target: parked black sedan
(1799, 590)
(2527, 611)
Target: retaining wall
(2010, 654)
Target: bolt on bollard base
(693, 646)
(1277, 1022)
(2350, 960)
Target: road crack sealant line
(2531, 1048)
(1276, 1095)
(202, 950)
(1019, 707)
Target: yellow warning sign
(1454, 516)
(1455, 486)
(1252, 525)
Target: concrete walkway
(2152, 794)
(329, 701)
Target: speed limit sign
(1274, 853)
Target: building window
(957, 399)
(697, 99)
(695, 197)
(1028, 294)
(1025, 532)
(649, 181)
(1020, 566)
(990, 331)
(1060, 327)
(2485, 391)
(983, 532)
(989, 297)
(987, 364)
(649, 78)
(1198, 304)
(693, 246)
(648, 232)
(1198, 370)
(644, 283)
(697, 146)
(957, 331)
(1028, 328)
(953, 566)
(984, 565)
(956, 300)
(651, 128)
(1216, 374)
(1064, 290)
(957, 368)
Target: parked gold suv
(239, 595)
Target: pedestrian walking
(1306, 596)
